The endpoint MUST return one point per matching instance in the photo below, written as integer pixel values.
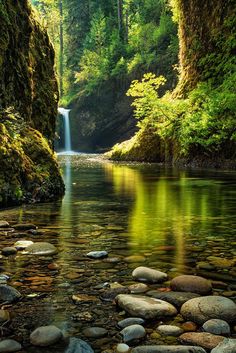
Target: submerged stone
(95, 332)
(168, 349)
(226, 346)
(175, 298)
(41, 248)
(202, 339)
(77, 345)
(97, 254)
(10, 345)
(193, 284)
(217, 327)
(133, 332)
(8, 294)
(130, 321)
(45, 336)
(149, 275)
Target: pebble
(4, 316)
(8, 294)
(10, 345)
(77, 345)
(97, 254)
(149, 275)
(217, 327)
(4, 224)
(203, 339)
(45, 336)
(175, 298)
(193, 284)
(138, 288)
(122, 348)
(133, 332)
(41, 248)
(168, 349)
(9, 250)
(23, 244)
(130, 321)
(201, 309)
(189, 326)
(170, 330)
(95, 332)
(226, 346)
(144, 307)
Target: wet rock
(170, 330)
(133, 332)
(175, 298)
(83, 298)
(201, 309)
(84, 316)
(77, 345)
(149, 275)
(193, 284)
(26, 226)
(226, 346)
(203, 339)
(122, 348)
(134, 258)
(217, 327)
(23, 244)
(138, 288)
(8, 294)
(4, 224)
(8, 251)
(95, 332)
(220, 262)
(168, 349)
(97, 254)
(41, 248)
(189, 326)
(45, 336)
(4, 316)
(110, 294)
(146, 308)
(10, 346)
(130, 321)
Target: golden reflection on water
(163, 210)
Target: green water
(172, 219)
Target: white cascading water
(65, 113)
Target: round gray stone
(97, 254)
(10, 346)
(170, 330)
(226, 346)
(193, 284)
(175, 298)
(217, 327)
(130, 321)
(144, 307)
(45, 336)
(41, 248)
(202, 309)
(8, 294)
(133, 332)
(149, 275)
(95, 332)
(168, 349)
(77, 345)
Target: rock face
(28, 108)
(194, 284)
(146, 308)
(149, 275)
(200, 310)
(8, 294)
(226, 346)
(45, 336)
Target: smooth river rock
(217, 327)
(169, 330)
(4, 224)
(133, 332)
(130, 321)
(8, 294)
(122, 348)
(77, 345)
(193, 284)
(168, 349)
(9, 250)
(97, 254)
(202, 309)
(138, 288)
(95, 332)
(226, 346)
(149, 275)
(203, 339)
(41, 248)
(10, 345)
(144, 307)
(23, 244)
(45, 336)
(175, 298)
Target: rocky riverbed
(107, 302)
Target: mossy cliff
(28, 107)
(194, 124)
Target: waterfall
(65, 113)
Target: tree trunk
(61, 57)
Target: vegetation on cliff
(28, 107)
